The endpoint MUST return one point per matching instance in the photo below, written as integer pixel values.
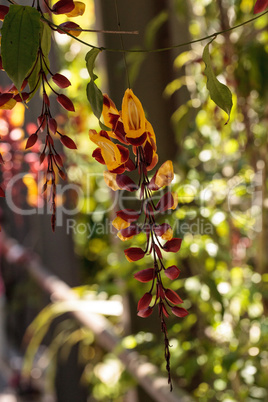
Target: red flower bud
(58, 160)
(172, 272)
(134, 254)
(41, 121)
(2, 193)
(145, 301)
(3, 11)
(68, 142)
(61, 80)
(146, 275)
(158, 251)
(145, 313)
(159, 291)
(42, 157)
(260, 6)
(173, 245)
(162, 308)
(46, 99)
(161, 229)
(130, 165)
(179, 311)
(98, 156)
(70, 27)
(62, 174)
(173, 297)
(52, 125)
(63, 7)
(1, 159)
(31, 141)
(65, 102)
(1, 64)
(126, 183)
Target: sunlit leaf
(20, 42)
(219, 93)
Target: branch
(146, 374)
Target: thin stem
(121, 40)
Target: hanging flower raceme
(130, 128)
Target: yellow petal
(109, 151)
(132, 115)
(110, 180)
(165, 174)
(176, 200)
(79, 9)
(167, 235)
(120, 223)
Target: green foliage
(34, 79)
(219, 92)
(94, 94)
(20, 42)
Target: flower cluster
(131, 131)
(39, 75)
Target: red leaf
(3, 12)
(65, 102)
(165, 202)
(173, 297)
(52, 125)
(31, 141)
(61, 80)
(68, 142)
(134, 254)
(145, 313)
(2, 193)
(145, 301)
(129, 215)
(179, 311)
(173, 245)
(126, 183)
(146, 275)
(63, 7)
(260, 6)
(172, 272)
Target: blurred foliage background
(219, 350)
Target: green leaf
(219, 92)
(45, 33)
(20, 42)
(95, 98)
(90, 61)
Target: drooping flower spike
(131, 144)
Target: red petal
(124, 153)
(134, 254)
(145, 301)
(68, 142)
(172, 272)
(179, 311)
(173, 245)
(159, 230)
(165, 202)
(2, 193)
(119, 170)
(65, 102)
(146, 275)
(23, 95)
(130, 165)
(129, 215)
(173, 297)
(148, 153)
(3, 11)
(68, 26)
(4, 98)
(152, 186)
(260, 6)
(131, 230)
(145, 313)
(98, 156)
(61, 80)
(137, 141)
(31, 141)
(126, 183)
(63, 7)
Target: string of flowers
(131, 128)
